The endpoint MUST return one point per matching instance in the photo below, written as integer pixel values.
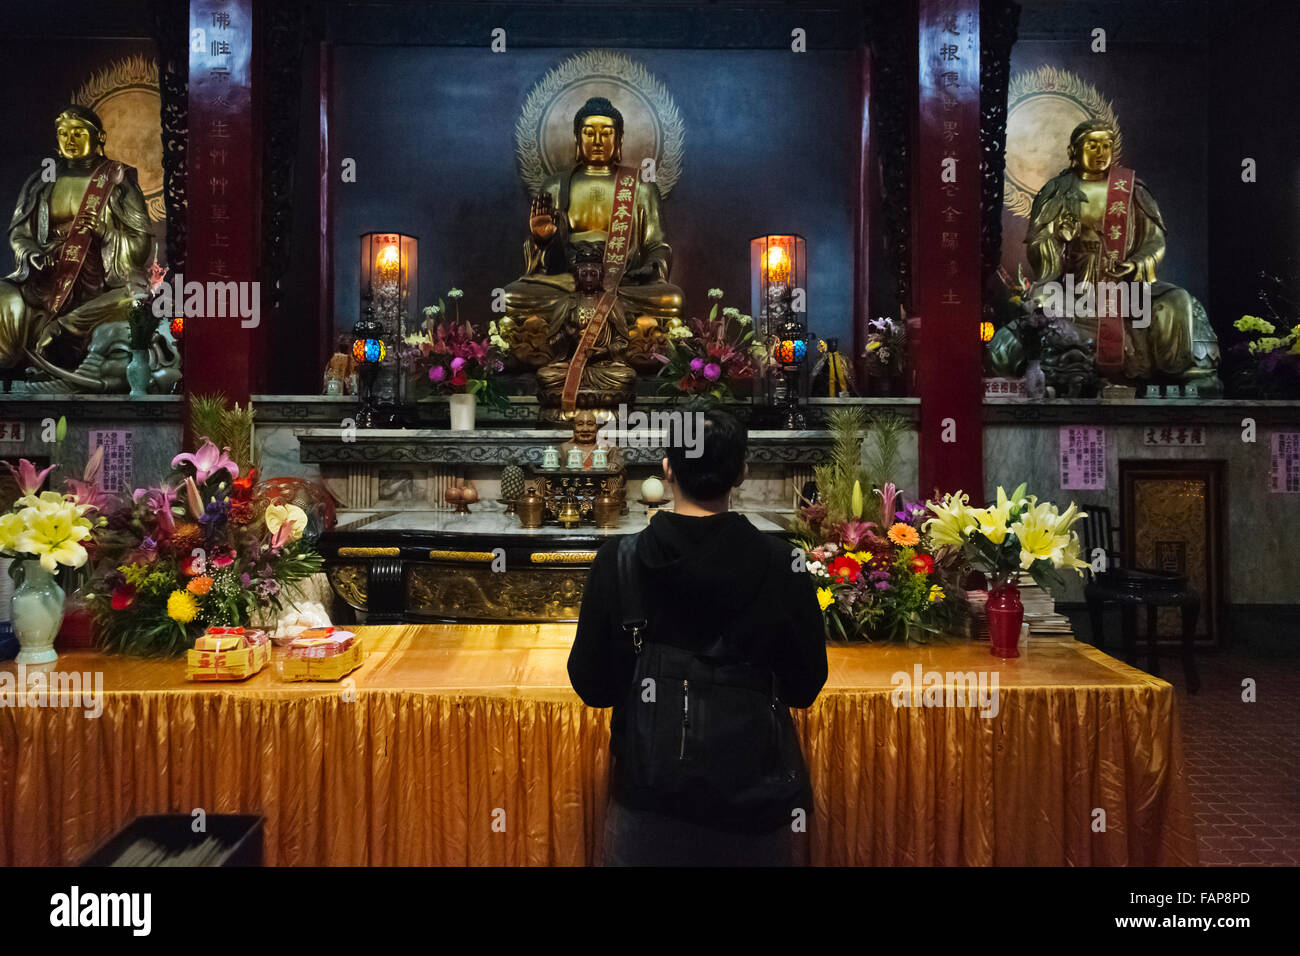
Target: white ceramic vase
(37, 611)
(462, 412)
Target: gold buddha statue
(602, 205)
(81, 243)
(1096, 222)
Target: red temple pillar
(224, 342)
(946, 240)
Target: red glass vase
(1006, 614)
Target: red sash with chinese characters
(72, 254)
(617, 241)
(1114, 244)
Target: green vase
(37, 612)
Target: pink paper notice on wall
(1083, 457)
(118, 456)
(1284, 463)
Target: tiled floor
(1242, 757)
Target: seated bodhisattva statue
(1096, 225)
(603, 205)
(81, 242)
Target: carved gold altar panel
(470, 592)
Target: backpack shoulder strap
(629, 589)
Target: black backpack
(704, 736)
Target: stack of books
(1040, 613)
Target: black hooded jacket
(701, 575)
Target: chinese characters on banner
(1284, 463)
(1174, 435)
(11, 431)
(222, 156)
(118, 457)
(947, 258)
(1083, 458)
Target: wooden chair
(1131, 588)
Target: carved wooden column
(946, 244)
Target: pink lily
(207, 461)
(28, 478)
(158, 501)
(855, 532)
(888, 495)
(87, 490)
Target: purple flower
(457, 364)
(882, 585)
(712, 371)
(245, 580)
(437, 373)
(697, 364)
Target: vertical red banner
(222, 352)
(947, 273)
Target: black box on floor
(239, 833)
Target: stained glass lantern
(368, 351)
(177, 327)
(986, 331)
(389, 283)
(779, 296)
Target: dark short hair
(721, 460)
(597, 106)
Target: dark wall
(771, 145)
(1254, 227)
(1155, 73)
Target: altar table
(464, 745)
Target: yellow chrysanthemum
(182, 607)
(825, 598)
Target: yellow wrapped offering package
(227, 653)
(321, 653)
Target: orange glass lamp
(389, 286)
(779, 294)
(986, 331)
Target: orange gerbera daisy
(200, 585)
(903, 535)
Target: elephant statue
(103, 370)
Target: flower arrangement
(714, 357)
(45, 526)
(1019, 533)
(208, 546)
(1268, 364)
(880, 576)
(886, 348)
(452, 358)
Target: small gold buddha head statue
(586, 425)
(80, 133)
(598, 133)
(588, 268)
(1092, 148)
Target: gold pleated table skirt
(464, 745)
